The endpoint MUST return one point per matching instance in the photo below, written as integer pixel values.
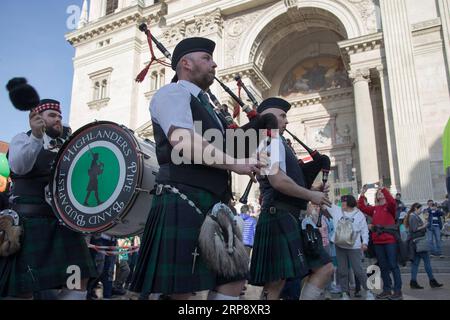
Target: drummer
(169, 261)
(47, 248)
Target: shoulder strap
(416, 217)
(351, 217)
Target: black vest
(270, 196)
(214, 180)
(33, 183)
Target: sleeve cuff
(37, 140)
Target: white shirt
(359, 224)
(24, 150)
(277, 157)
(171, 105)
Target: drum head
(95, 177)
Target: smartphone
(372, 186)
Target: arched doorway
(298, 53)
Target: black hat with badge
(189, 45)
(276, 103)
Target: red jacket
(381, 215)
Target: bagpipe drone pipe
(256, 121)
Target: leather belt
(33, 210)
(280, 206)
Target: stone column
(444, 12)
(120, 5)
(390, 133)
(95, 10)
(368, 156)
(413, 156)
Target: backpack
(345, 236)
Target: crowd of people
(380, 229)
(115, 268)
(296, 244)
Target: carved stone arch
(345, 13)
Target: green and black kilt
(277, 249)
(170, 238)
(47, 250)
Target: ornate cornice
(175, 33)
(362, 44)
(108, 24)
(98, 104)
(358, 45)
(249, 70)
(426, 24)
(200, 25)
(318, 98)
(100, 73)
(145, 131)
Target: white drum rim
(53, 184)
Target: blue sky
(33, 46)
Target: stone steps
(439, 265)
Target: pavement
(440, 266)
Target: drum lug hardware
(146, 156)
(143, 190)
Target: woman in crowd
(417, 230)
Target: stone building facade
(368, 79)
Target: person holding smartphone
(383, 216)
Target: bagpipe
(220, 240)
(255, 121)
(319, 163)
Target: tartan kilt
(276, 249)
(165, 258)
(47, 250)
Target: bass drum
(102, 180)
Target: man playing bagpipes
(171, 261)
(280, 249)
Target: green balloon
(4, 166)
